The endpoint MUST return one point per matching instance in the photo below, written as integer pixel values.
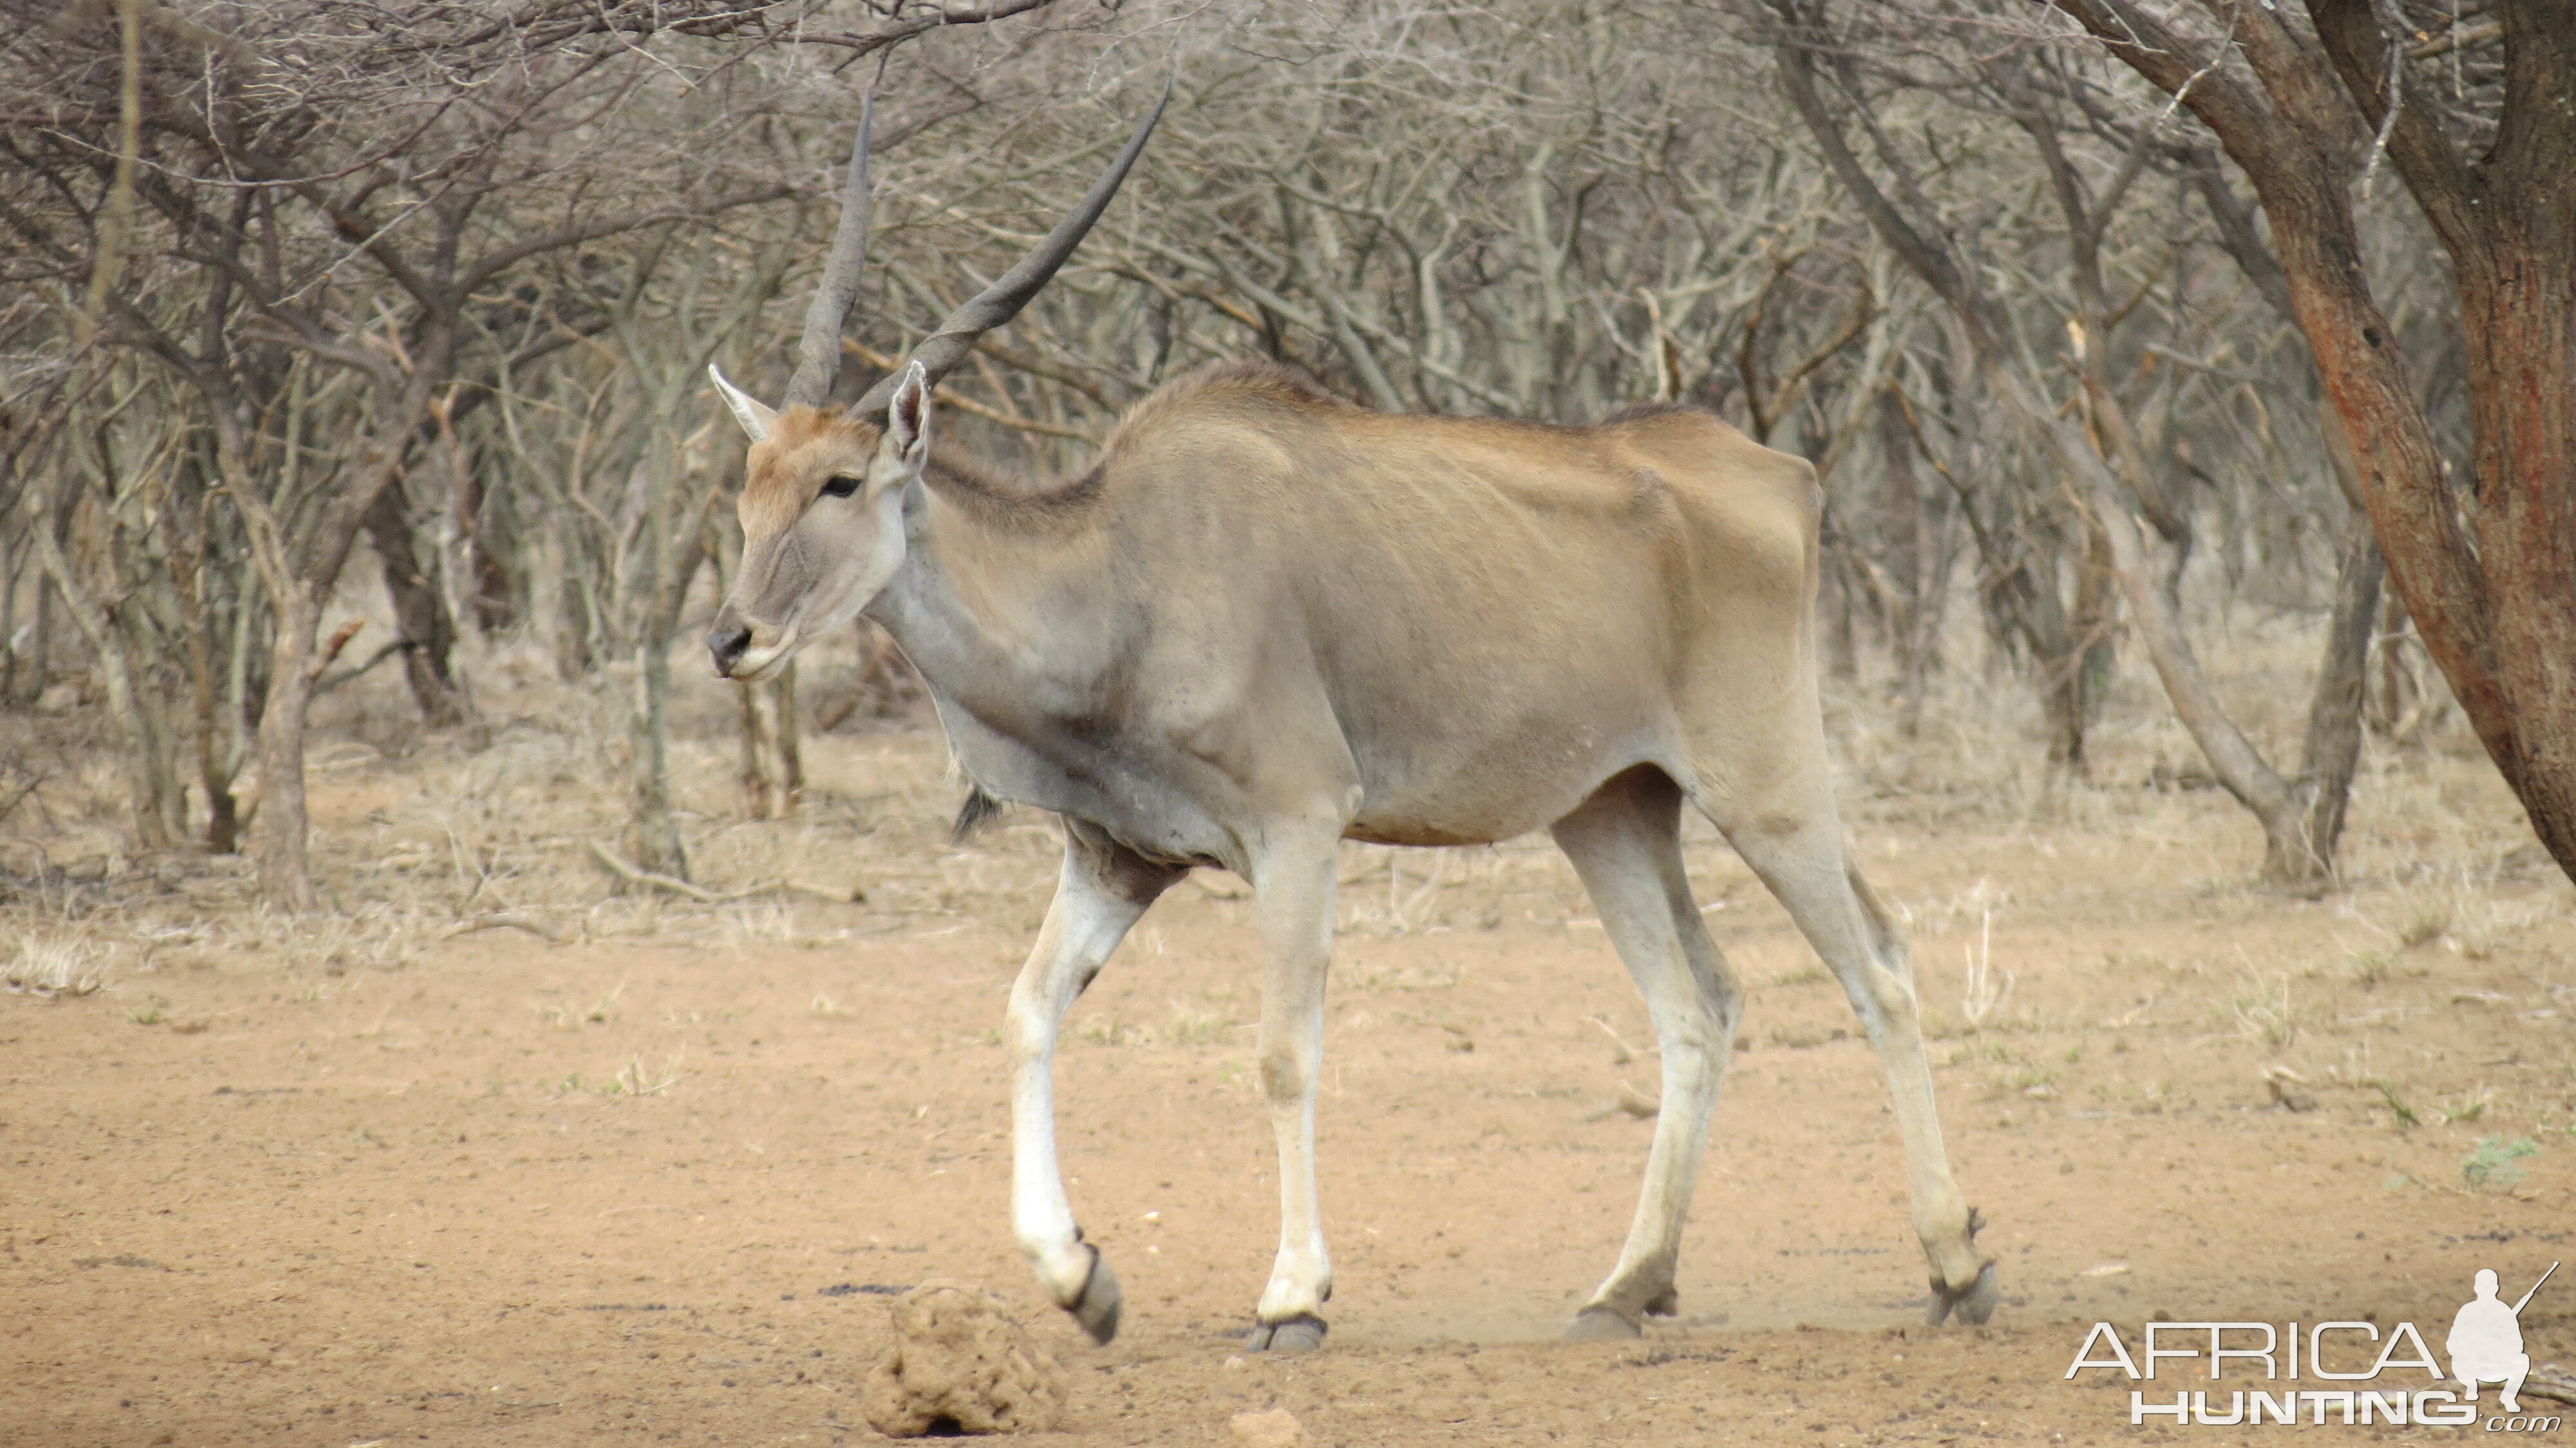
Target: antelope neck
(983, 606)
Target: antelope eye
(842, 485)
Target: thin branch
(637, 874)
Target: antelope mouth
(749, 653)
(762, 662)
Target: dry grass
(1985, 990)
(58, 967)
(2263, 1012)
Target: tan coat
(1266, 621)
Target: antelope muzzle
(739, 647)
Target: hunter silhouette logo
(2486, 1340)
(2361, 1373)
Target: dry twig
(628, 870)
(511, 920)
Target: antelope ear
(908, 416)
(756, 417)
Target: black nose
(727, 641)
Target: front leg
(1102, 893)
(1293, 880)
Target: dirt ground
(373, 1181)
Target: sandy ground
(286, 1184)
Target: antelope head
(823, 488)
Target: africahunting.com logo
(2483, 1348)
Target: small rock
(1275, 1428)
(960, 1364)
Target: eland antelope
(1265, 621)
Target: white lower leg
(1843, 921)
(1041, 1214)
(1296, 900)
(1940, 1210)
(1301, 1276)
(1624, 845)
(1092, 911)
(1642, 1282)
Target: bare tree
(316, 241)
(2476, 112)
(442, 285)
(2125, 480)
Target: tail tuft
(979, 810)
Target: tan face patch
(807, 449)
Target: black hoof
(1098, 1306)
(1602, 1324)
(1302, 1333)
(1972, 1306)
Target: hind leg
(1293, 887)
(1792, 837)
(1102, 892)
(1625, 844)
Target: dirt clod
(1273, 1428)
(961, 1364)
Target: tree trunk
(2403, 481)
(206, 629)
(2520, 319)
(280, 844)
(40, 651)
(2393, 710)
(41, 657)
(2333, 748)
(2497, 614)
(151, 706)
(476, 588)
(223, 811)
(2094, 623)
(2026, 597)
(773, 770)
(1918, 565)
(298, 586)
(653, 832)
(1837, 603)
(428, 632)
(9, 588)
(154, 807)
(2061, 704)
